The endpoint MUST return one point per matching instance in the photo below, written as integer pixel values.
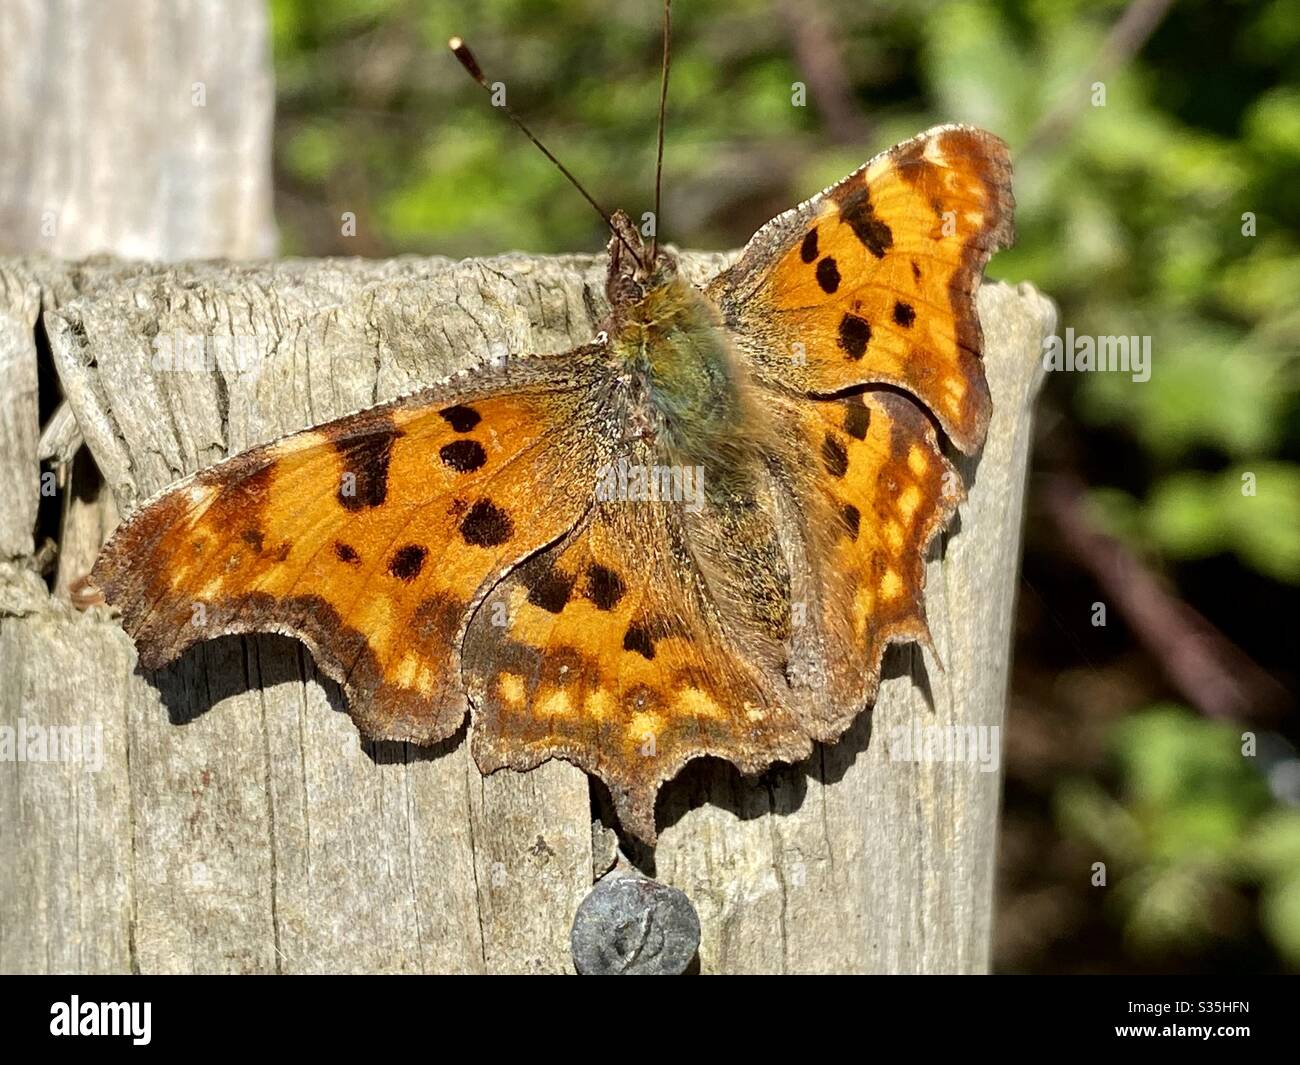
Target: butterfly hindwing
(371, 538)
(873, 490)
(873, 281)
(607, 649)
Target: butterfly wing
(873, 281)
(370, 538)
(651, 635)
(609, 649)
(873, 491)
(872, 284)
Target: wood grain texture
(241, 825)
(20, 304)
(140, 128)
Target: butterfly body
(686, 387)
(459, 548)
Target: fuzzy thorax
(687, 393)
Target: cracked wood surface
(238, 823)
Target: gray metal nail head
(632, 925)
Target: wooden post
(236, 822)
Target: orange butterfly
(693, 536)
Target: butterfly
(694, 535)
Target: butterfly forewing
(873, 281)
(371, 538)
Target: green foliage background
(1130, 215)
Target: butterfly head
(631, 273)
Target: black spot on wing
(639, 640)
(550, 589)
(486, 525)
(604, 587)
(460, 418)
(852, 520)
(364, 456)
(463, 456)
(857, 418)
(904, 314)
(808, 249)
(828, 275)
(407, 562)
(855, 334)
(346, 553)
(857, 213)
(834, 457)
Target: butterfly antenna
(461, 51)
(663, 104)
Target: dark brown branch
(1208, 670)
(817, 55)
(1126, 37)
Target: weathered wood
(140, 128)
(238, 823)
(20, 304)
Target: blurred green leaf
(1265, 527)
(1170, 757)
(1280, 909)
(1272, 847)
(1273, 123)
(1183, 516)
